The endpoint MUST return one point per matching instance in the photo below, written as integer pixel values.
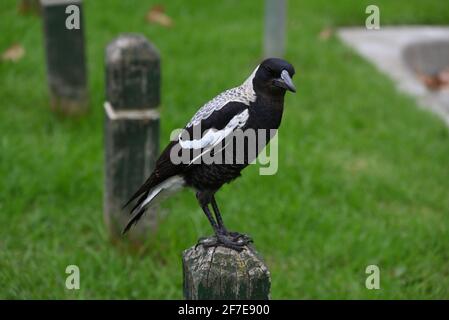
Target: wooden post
(131, 128)
(65, 55)
(216, 273)
(274, 41)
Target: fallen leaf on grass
(30, 7)
(157, 15)
(325, 34)
(436, 81)
(13, 53)
(444, 76)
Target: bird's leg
(211, 219)
(222, 238)
(218, 216)
(204, 199)
(203, 240)
(234, 235)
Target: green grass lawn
(363, 172)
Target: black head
(274, 77)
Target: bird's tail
(139, 209)
(152, 196)
(163, 180)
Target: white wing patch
(208, 138)
(213, 137)
(244, 93)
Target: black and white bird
(257, 104)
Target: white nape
(244, 94)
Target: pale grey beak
(285, 81)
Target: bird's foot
(237, 236)
(206, 242)
(233, 240)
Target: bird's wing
(208, 132)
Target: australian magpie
(256, 105)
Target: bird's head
(274, 77)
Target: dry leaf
(444, 76)
(30, 7)
(157, 15)
(325, 34)
(431, 82)
(13, 53)
(436, 81)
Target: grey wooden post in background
(131, 128)
(275, 21)
(65, 55)
(217, 273)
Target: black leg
(204, 199)
(218, 215)
(234, 235)
(223, 238)
(211, 219)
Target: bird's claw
(241, 236)
(231, 240)
(201, 241)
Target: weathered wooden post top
(219, 273)
(65, 55)
(131, 128)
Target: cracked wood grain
(222, 273)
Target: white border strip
(59, 2)
(149, 114)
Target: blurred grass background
(363, 173)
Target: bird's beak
(285, 81)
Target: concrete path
(385, 49)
